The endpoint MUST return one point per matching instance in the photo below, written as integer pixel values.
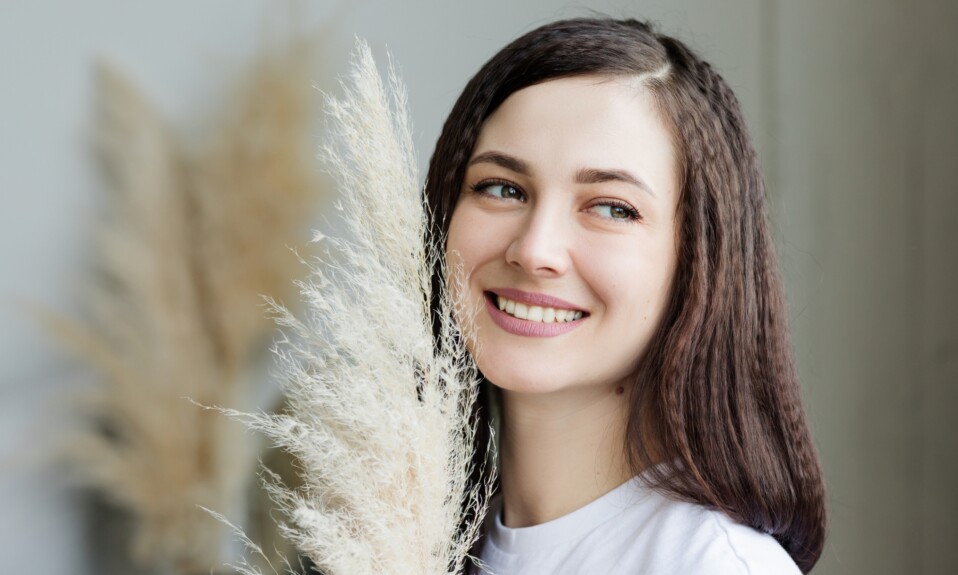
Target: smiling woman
(601, 198)
(553, 222)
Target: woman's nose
(541, 244)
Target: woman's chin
(531, 380)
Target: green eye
(503, 191)
(616, 212)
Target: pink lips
(523, 327)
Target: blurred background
(852, 104)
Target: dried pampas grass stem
(187, 240)
(380, 410)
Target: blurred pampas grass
(188, 240)
(379, 408)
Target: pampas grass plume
(187, 241)
(380, 411)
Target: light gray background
(853, 107)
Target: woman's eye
(503, 191)
(616, 212)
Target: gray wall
(852, 104)
(867, 138)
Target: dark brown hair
(716, 392)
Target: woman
(601, 197)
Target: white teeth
(522, 311)
(549, 315)
(535, 312)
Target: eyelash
(480, 188)
(633, 214)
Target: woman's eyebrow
(502, 160)
(583, 176)
(596, 176)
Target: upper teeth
(536, 313)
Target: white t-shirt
(636, 531)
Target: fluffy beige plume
(380, 413)
(187, 242)
(149, 451)
(254, 191)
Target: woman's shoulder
(634, 530)
(692, 539)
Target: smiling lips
(533, 315)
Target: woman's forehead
(583, 122)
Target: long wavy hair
(716, 392)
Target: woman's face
(565, 234)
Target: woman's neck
(560, 451)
